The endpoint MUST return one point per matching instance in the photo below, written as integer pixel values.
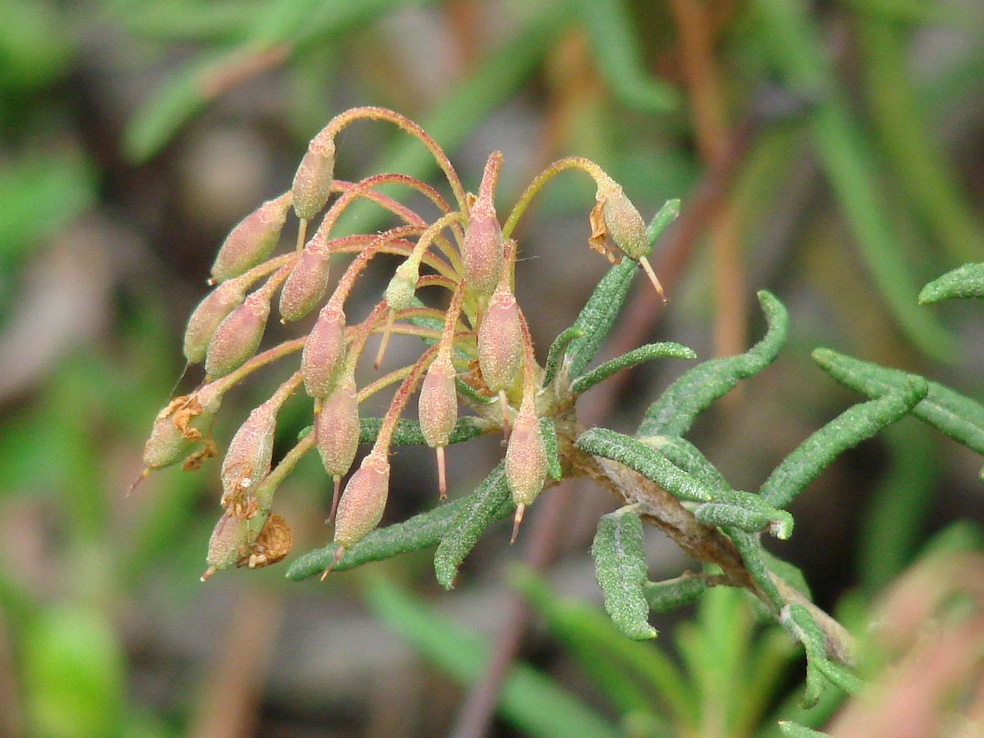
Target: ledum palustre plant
(479, 373)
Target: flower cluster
(477, 351)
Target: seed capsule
(248, 459)
(500, 340)
(363, 501)
(324, 352)
(624, 223)
(230, 541)
(482, 253)
(178, 427)
(312, 182)
(336, 429)
(252, 240)
(526, 460)
(438, 410)
(237, 337)
(206, 318)
(307, 282)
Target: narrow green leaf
(688, 457)
(819, 669)
(598, 315)
(753, 555)
(789, 573)
(964, 281)
(673, 593)
(549, 433)
(620, 570)
(419, 532)
(647, 461)
(489, 504)
(558, 349)
(950, 412)
(666, 215)
(619, 57)
(677, 408)
(408, 432)
(794, 730)
(847, 430)
(745, 511)
(627, 360)
(529, 700)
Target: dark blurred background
(831, 152)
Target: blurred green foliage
(856, 126)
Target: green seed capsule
(623, 222)
(247, 461)
(336, 428)
(526, 457)
(438, 403)
(307, 282)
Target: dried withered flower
(324, 351)
(207, 316)
(312, 182)
(252, 240)
(179, 427)
(307, 282)
(238, 336)
(273, 543)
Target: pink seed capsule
(438, 410)
(252, 240)
(307, 282)
(482, 251)
(247, 461)
(500, 340)
(526, 460)
(206, 318)
(363, 501)
(237, 337)
(336, 429)
(324, 352)
(312, 182)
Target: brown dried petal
(173, 435)
(271, 545)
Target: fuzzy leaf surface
(620, 569)
(950, 412)
(847, 430)
(490, 503)
(632, 358)
(646, 460)
(677, 408)
(964, 281)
